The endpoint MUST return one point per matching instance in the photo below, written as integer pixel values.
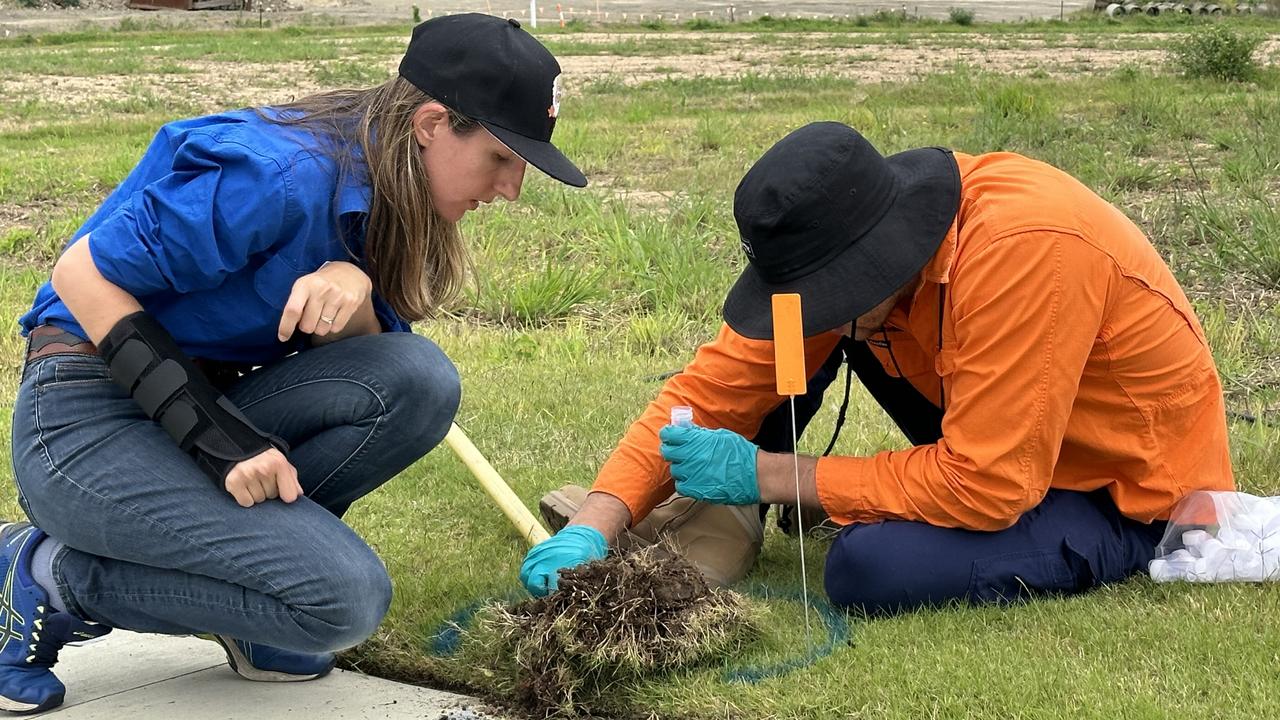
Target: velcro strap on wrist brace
(170, 389)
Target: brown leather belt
(46, 340)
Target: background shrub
(1217, 52)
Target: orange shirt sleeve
(730, 384)
(1027, 309)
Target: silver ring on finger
(326, 320)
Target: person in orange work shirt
(1030, 342)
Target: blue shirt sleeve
(222, 203)
(388, 318)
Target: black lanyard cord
(848, 375)
(844, 406)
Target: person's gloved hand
(572, 546)
(718, 466)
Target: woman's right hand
(263, 477)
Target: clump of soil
(621, 618)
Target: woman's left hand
(324, 301)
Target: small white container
(682, 416)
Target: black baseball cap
(494, 72)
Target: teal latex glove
(572, 546)
(718, 466)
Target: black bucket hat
(494, 72)
(825, 215)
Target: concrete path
(156, 677)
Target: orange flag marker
(788, 363)
(788, 344)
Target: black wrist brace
(149, 365)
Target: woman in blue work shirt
(221, 363)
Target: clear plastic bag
(1219, 536)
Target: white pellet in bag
(1219, 536)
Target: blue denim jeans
(154, 545)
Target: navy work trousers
(1069, 543)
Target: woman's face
(465, 169)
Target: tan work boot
(722, 540)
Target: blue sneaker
(31, 632)
(263, 663)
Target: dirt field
(877, 57)
(719, 9)
(218, 84)
(109, 13)
(735, 55)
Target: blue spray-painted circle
(834, 620)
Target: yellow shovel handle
(492, 482)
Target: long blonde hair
(414, 256)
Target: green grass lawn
(583, 298)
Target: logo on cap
(556, 93)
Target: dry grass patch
(612, 621)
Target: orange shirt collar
(938, 269)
